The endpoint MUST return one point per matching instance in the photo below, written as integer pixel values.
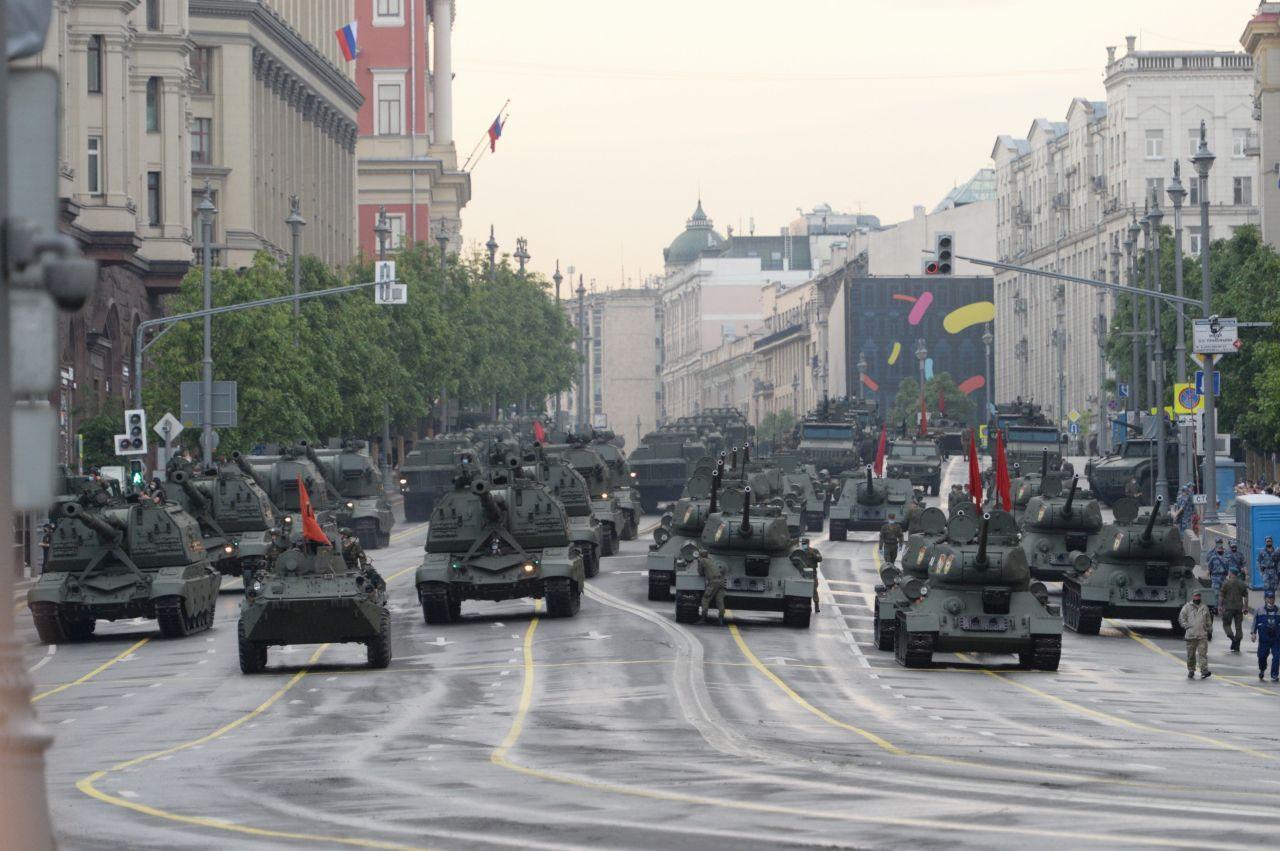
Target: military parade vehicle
(661, 465)
(313, 593)
(680, 526)
(1139, 570)
(621, 483)
(764, 570)
(498, 536)
(925, 528)
(113, 558)
(803, 495)
(235, 515)
(570, 488)
(832, 446)
(426, 474)
(978, 597)
(279, 476)
(949, 435)
(595, 472)
(867, 503)
(356, 484)
(917, 459)
(1135, 459)
(1055, 525)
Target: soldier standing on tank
(1269, 564)
(1132, 490)
(1266, 631)
(1219, 564)
(711, 570)
(356, 558)
(890, 540)
(1196, 620)
(46, 540)
(1233, 597)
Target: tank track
(882, 634)
(798, 612)
(837, 530)
(1077, 617)
(174, 622)
(1045, 653)
(659, 587)
(912, 649)
(436, 608)
(687, 605)
(590, 562)
(367, 534)
(609, 543)
(55, 628)
(563, 597)
(379, 647)
(253, 655)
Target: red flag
(924, 417)
(539, 433)
(879, 465)
(311, 530)
(942, 403)
(975, 475)
(1004, 486)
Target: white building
(1065, 192)
(1262, 39)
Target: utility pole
(558, 279)
(442, 238)
(1104, 433)
(1154, 217)
(207, 211)
(1060, 337)
(382, 229)
(1135, 381)
(582, 347)
(1186, 452)
(1203, 161)
(296, 223)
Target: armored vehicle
(867, 503)
(681, 525)
(764, 570)
(661, 466)
(621, 484)
(604, 506)
(926, 528)
(426, 474)
(584, 529)
(1139, 570)
(949, 435)
(111, 559)
(917, 459)
(312, 593)
(361, 500)
(500, 536)
(832, 445)
(1055, 525)
(978, 597)
(1136, 459)
(235, 515)
(279, 475)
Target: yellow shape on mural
(893, 355)
(971, 314)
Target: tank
(621, 483)
(498, 536)
(584, 529)
(235, 515)
(117, 559)
(604, 506)
(426, 474)
(978, 597)
(925, 528)
(1138, 570)
(1055, 525)
(278, 475)
(361, 500)
(867, 503)
(917, 459)
(680, 526)
(309, 593)
(764, 569)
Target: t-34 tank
(926, 528)
(310, 593)
(1138, 570)
(426, 474)
(235, 515)
(361, 500)
(978, 597)
(867, 503)
(1055, 525)
(764, 570)
(682, 525)
(500, 538)
(117, 559)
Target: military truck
(356, 484)
(1136, 459)
(830, 445)
(764, 569)
(661, 466)
(1138, 570)
(113, 559)
(867, 503)
(310, 593)
(1055, 525)
(1028, 444)
(235, 515)
(683, 524)
(917, 459)
(925, 528)
(498, 536)
(426, 474)
(978, 598)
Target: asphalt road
(620, 728)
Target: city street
(621, 728)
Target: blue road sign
(1217, 382)
(1122, 390)
(1073, 428)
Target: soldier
(1183, 511)
(354, 555)
(1269, 564)
(1196, 620)
(714, 574)
(1219, 564)
(1237, 557)
(1132, 490)
(1266, 626)
(46, 539)
(813, 558)
(1233, 597)
(890, 540)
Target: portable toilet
(1257, 516)
(1230, 473)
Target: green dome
(698, 236)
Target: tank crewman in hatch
(890, 540)
(714, 574)
(354, 555)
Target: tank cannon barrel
(1071, 495)
(715, 491)
(1151, 519)
(983, 529)
(104, 530)
(1044, 465)
(745, 529)
(183, 479)
(481, 489)
(746, 454)
(868, 478)
(247, 469)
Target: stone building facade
(1261, 39)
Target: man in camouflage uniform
(1218, 563)
(714, 593)
(812, 558)
(1269, 565)
(1233, 599)
(356, 558)
(890, 540)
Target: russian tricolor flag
(495, 133)
(347, 40)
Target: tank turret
(106, 532)
(183, 479)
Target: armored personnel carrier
(111, 559)
(764, 570)
(661, 466)
(916, 459)
(1055, 525)
(309, 593)
(361, 501)
(235, 515)
(681, 526)
(925, 528)
(584, 529)
(978, 597)
(867, 503)
(499, 536)
(426, 474)
(1138, 570)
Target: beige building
(273, 109)
(1261, 39)
(728, 375)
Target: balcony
(1253, 146)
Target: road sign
(168, 428)
(1186, 399)
(1217, 382)
(1111, 405)
(224, 405)
(1199, 499)
(1186, 419)
(1074, 416)
(1122, 390)
(1073, 428)
(1215, 335)
(388, 290)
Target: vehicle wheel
(379, 648)
(838, 531)
(882, 632)
(1178, 630)
(436, 608)
(590, 562)
(912, 649)
(172, 618)
(798, 612)
(659, 585)
(49, 624)
(687, 605)
(563, 597)
(253, 655)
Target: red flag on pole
(975, 475)
(311, 530)
(1004, 486)
(879, 465)
(539, 433)
(924, 416)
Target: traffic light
(943, 249)
(137, 475)
(134, 439)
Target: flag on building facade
(347, 40)
(495, 133)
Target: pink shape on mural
(870, 383)
(971, 384)
(918, 309)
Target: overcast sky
(622, 111)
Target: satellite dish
(962, 529)
(1125, 509)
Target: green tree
(98, 426)
(906, 405)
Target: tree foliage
(776, 425)
(906, 405)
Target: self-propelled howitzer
(360, 498)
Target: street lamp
(921, 354)
(558, 279)
(987, 339)
(296, 223)
(862, 376)
(795, 393)
(1177, 194)
(1203, 162)
(522, 252)
(492, 247)
(1022, 351)
(582, 346)
(382, 230)
(442, 238)
(1154, 217)
(1130, 246)
(207, 211)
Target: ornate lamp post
(1203, 161)
(442, 239)
(207, 211)
(1130, 246)
(795, 392)
(382, 230)
(1154, 218)
(1177, 194)
(522, 252)
(582, 347)
(558, 279)
(296, 223)
(492, 247)
(987, 339)
(922, 353)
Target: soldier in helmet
(812, 558)
(714, 574)
(354, 555)
(890, 540)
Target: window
(153, 198)
(153, 104)
(94, 71)
(1155, 144)
(1239, 141)
(395, 239)
(202, 70)
(1242, 191)
(1155, 185)
(1193, 141)
(202, 140)
(390, 108)
(1193, 191)
(153, 14)
(93, 170)
(1193, 243)
(390, 9)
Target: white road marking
(441, 641)
(48, 657)
(595, 636)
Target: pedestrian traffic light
(137, 475)
(134, 439)
(943, 249)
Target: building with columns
(406, 158)
(1065, 194)
(1261, 39)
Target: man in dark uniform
(354, 555)
(714, 593)
(813, 558)
(890, 540)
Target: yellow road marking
(98, 670)
(1156, 648)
